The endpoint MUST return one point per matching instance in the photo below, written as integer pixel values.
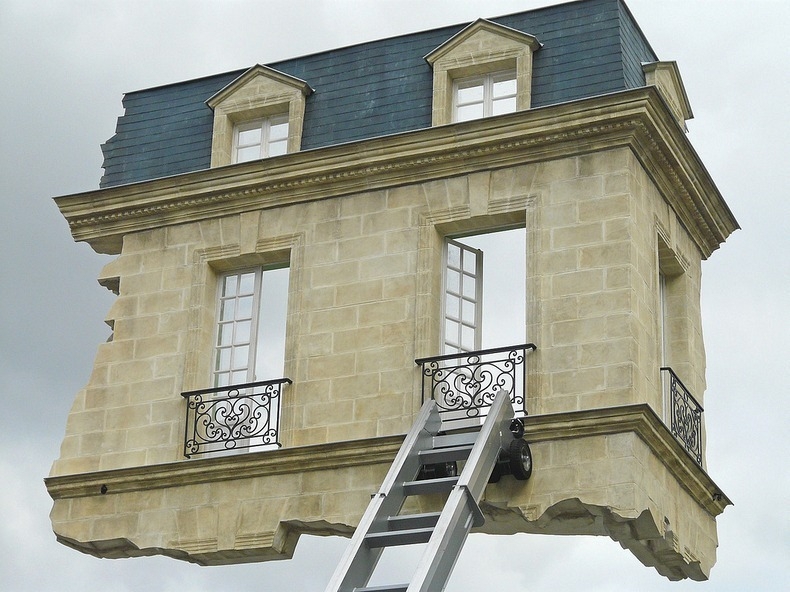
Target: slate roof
(590, 47)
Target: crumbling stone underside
(194, 513)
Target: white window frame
(268, 146)
(489, 101)
(238, 333)
(467, 294)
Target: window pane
(243, 329)
(223, 359)
(278, 131)
(225, 334)
(469, 312)
(228, 308)
(241, 357)
(470, 263)
(469, 94)
(249, 137)
(453, 281)
(453, 307)
(244, 310)
(247, 283)
(469, 286)
(247, 154)
(470, 112)
(504, 88)
(467, 338)
(453, 255)
(239, 377)
(451, 332)
(504, 106)
(278, 148)
(229, 286)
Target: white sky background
(64, 67)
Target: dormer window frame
(269, 143)
(481, 49)
(259, 94)
(489, 100)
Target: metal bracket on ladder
(445, 532)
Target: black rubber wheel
(496, 474)
(520, 460)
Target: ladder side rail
(461, 510)
(358, 561)
(495, 435)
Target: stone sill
(639, 419)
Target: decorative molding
(639, 419)
(638, 119)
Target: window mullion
(488, 95)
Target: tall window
(484, 96)
(250, 340)
(261, 138)
(472, 322)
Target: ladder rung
(394, 538)
(440, 455)
(390, 588)
(407, 521)
(455, 439)
(441, 485)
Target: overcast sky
(64, 67)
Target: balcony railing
(464, 385)
(236, 417)
(683, 414)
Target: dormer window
(484, 70)
(258, 115)
(483, 96)
(261, 138)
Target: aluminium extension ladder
(444, 532)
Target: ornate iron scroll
(683, 413)
(233, 417)
(464, 385)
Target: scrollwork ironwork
(233, 417)
(684, 415)
(464, 385)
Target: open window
(484, 303)
(483, 327)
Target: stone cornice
(643, 421)
(330, 456)
(638, 119)
(639, 419)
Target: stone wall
(364, 246)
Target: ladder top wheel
(517, 428)
(520, 459)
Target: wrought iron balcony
(464, 385)
(682, 413)
(236, 417)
